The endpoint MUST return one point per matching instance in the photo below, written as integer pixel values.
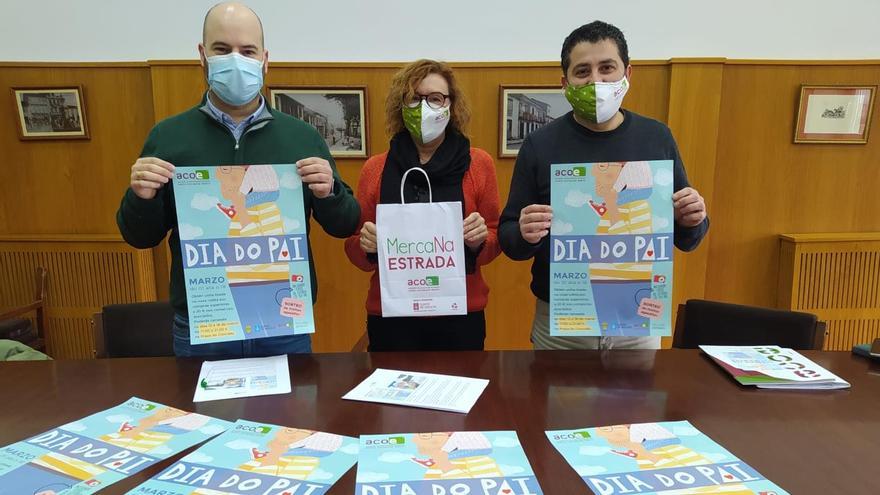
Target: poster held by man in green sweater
(243, 245)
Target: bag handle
(427, 179)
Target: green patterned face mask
(597, 102)
(424, 123)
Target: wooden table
(807, 442)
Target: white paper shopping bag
(421, 257)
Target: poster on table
(259, 459)
(655, 458)
(457, 462)
(88, 454)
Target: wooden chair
(20, 327)
(701, 322)
(134, 330)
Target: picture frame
(338, 113)
(46, 113)
(525, 109)
(834, 114)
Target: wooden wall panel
(73, 186)
(766, 185)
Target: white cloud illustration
(715, 456)
(350, 449)
(506, 442)
(371, 477)
(589, 470)
(660, 222)
(204, 202)
(212, 430)
(290, 180)
(291, 224)
(76, 426)
(319, 474)
(199, 457)
(594, 450)
(663, 177)
(119, 418)
(188, 231)
(558, 227)
(394, 457)
(510, 470)
(240, 444)
(685, 431)
(162, 450)
(576, 198)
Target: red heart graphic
(728, 476)
(650, 253)
(506, 490)
(284, 253)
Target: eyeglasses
(435, 100)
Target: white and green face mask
(597, 102)
(424, 123)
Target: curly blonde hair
(403, 88)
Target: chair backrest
(134, 330)
(702, 322)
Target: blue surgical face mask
(234, 78)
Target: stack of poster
(426, 390)
(91, 453)
(462, 462)
(770, 366)
(611, 246)
(259, 458)
(244, 252)
(656, 458)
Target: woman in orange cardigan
(427, 114)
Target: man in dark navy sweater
(596, 68)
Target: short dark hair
(594, 32)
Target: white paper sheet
(247, 377)
(425, 390)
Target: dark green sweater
(194, 137)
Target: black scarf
(446, 170)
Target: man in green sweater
(231, 125)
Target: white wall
(453, 30)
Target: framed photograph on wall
(834, 114)
(525, 109)
(338, 113)
(50, 113)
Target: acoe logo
(194, 175)
(572, 172)
(386, 441)
(262, 430)
(576, 435)
(429, 281)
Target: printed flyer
(770, 366)
(611, 249)
(89, 454)
(244, 251)
(414, 389)
(656, 458)
(460, 463)
(261, 459)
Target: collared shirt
(236, 129)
